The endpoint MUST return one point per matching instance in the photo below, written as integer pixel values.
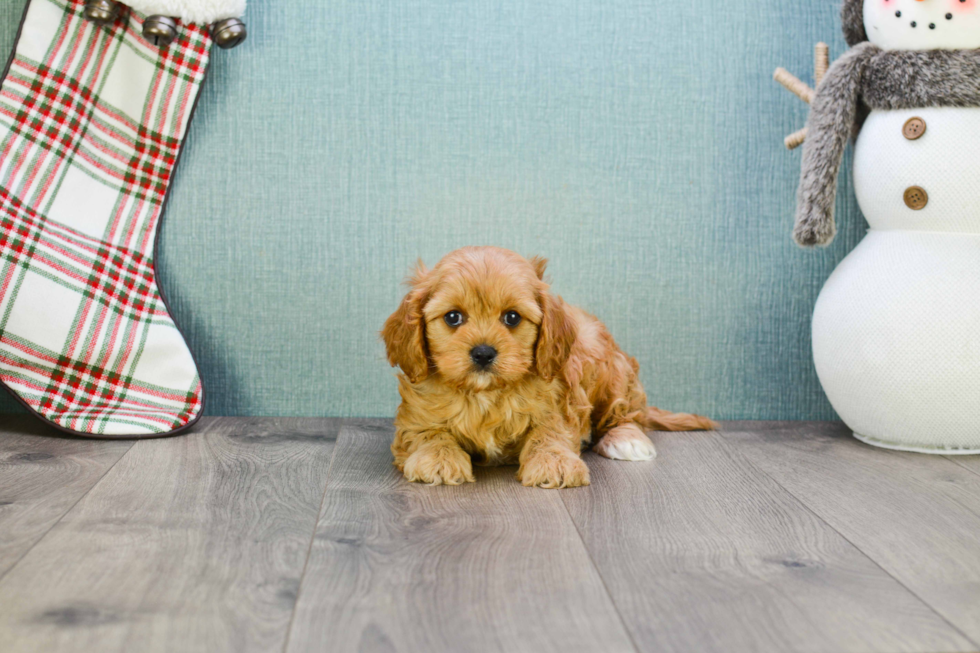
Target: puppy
(497, 371)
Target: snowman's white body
(896, 330)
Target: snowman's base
(896, 446)
(896, 342)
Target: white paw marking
(626, 443)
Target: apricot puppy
(497, 371)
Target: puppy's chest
(492, 429)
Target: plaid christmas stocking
(92, 119)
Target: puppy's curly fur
(558, 378)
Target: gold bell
(160, 30)
(102, 12)
(229, 33)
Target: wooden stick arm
(821, 64)
(795, 139)
(794, 85)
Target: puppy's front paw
(440, 465)
(551, 470)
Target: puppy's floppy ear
(404, 330)
(540, 264)
(555, 338)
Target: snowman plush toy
(896, 330)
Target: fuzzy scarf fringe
(867, 77)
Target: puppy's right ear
(404, 331)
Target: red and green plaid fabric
(92, 119)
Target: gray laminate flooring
(297, 535)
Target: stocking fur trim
(200, 12)
(867, 77)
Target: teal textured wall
(636, 143)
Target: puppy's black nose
(483, 355)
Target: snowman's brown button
(916, 198)
(914, 129)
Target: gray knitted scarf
(867, 77)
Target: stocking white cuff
(190, 11)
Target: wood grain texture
(917, 516)
(194, 543)
(971, 463)
(702, 552)
(491, 566)
(42, 475)
(765, 537)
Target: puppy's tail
(660, 420)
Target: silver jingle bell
(102, 12)
(160, 30)
(229, 33)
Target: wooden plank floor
(413, 568)
(298, 535)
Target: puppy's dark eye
(454, 319)
(512, 318)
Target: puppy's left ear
(555, 338)
(404, 330)
(540, 264)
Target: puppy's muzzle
(483, 356)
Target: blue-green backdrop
(636, 143)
